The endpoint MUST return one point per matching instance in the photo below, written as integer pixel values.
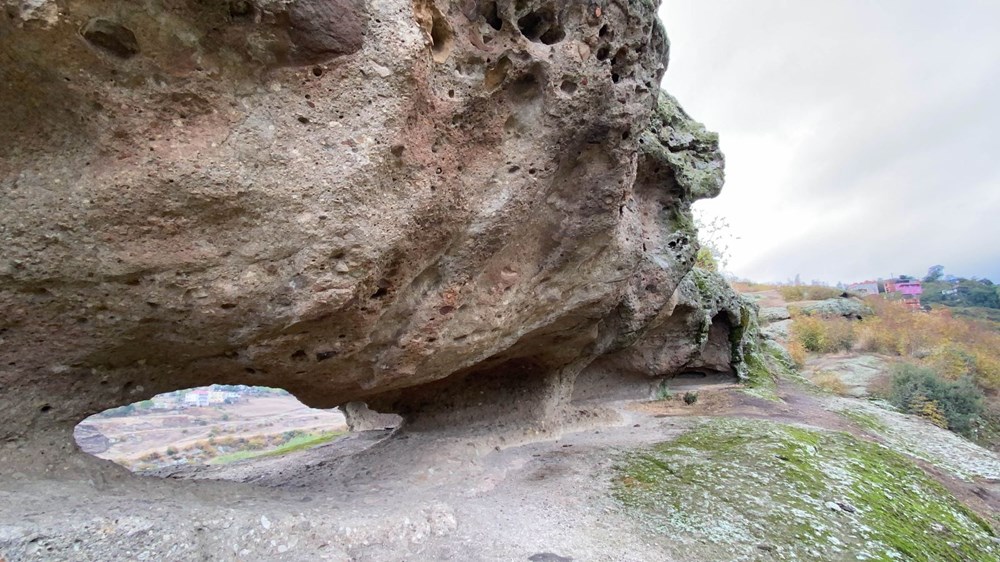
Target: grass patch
(867, 421)
(760, 381)
(830, 382)
(299, 443)
(799, 293)
(726, 488)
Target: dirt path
(406, 495)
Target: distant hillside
(978, 293)
(988, 316)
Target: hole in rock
(525, 89)
(568, 87)
(241, 9)
(441, 38)
(211, 426)
(490, 13)
(111, 36)
(497, 74)
(541, 26)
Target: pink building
(908, 290)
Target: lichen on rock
(689, 150)
(734, 489)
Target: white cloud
(861, 137)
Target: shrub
(663, 392)
(171, 452)
(987, 366)
(705, 260)
(690, 398)
(830, 382)
(953, 347)
(840, 335)
(921, 391)
(810, 333)
(929, 409)
(823, 335)
(798, 353)
(951, 361)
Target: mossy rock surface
(753, 490)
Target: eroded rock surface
(852, 308)
(409, 204)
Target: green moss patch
(759, 382)
(866, 421)
(739, 489)
(299, 443)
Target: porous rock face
(409, 203)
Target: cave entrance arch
(212, 425)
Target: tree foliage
(956, 405)
(935, 273)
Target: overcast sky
(862, 137)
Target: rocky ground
(667, 480)
(476, 215)
(783, 471)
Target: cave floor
(442, 495)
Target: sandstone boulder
(851, 308)
(412, 204)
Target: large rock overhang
(382, 201)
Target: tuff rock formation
(848, 307)
(444, 209)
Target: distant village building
(906, 289)
(209, 396)
(864, 288)
(197, 397)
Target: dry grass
(798, 293)
(823, 335)
(750, 287)
(798, 353)
(830, 382)
(952, 347)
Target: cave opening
(207, 426)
